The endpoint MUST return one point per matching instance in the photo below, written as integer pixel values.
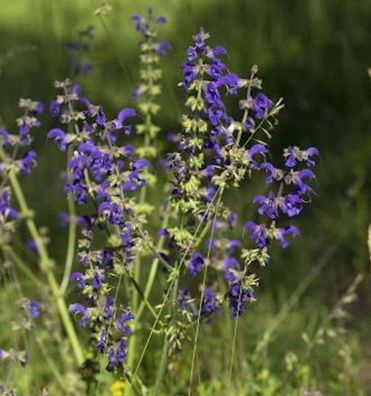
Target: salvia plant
(126, 280)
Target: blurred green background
(313, 53)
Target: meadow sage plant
(135, 279)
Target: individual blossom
(82, 311)
(6, 210)
(258, 233)
(238, 297)
(261, 104)
(196, 263)
(294, 154)
(34, 309)
(209, 302)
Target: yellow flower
(117, 388)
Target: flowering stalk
(149, 89)
(146, 94)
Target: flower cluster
(15, 157)
(211, 154)
(12, 143)
(293, 192)
(147, 92)
(214, 152)
(102, 171)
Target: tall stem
(137, 273)
(154, 267)
(165, 350)
(46, 265)
(22, 266)
(71, 237)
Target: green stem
(137, 274)
(71, 241)
(165, 350)
(172, 283)
(144, 299)
(46, 265)
(203, 290)
(53, 367)
(162, 368)
(22, 266)
(154, 267)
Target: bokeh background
(313, 53)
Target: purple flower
(268, 205)
(256, 149)
(230, 264)
(81, 310)
(281, 233)
(33, 309)
(261, 105)
(258, 233)
(121, 351)
(127, 150)
(32, 245)
(196, 264)
(101, 117)
(98, 278)
(55, 108)
(292, 205)
(60, 138)
(108, 307)
(209, 302)
(184, 300)
(37, 108)
(6, 211)
(112, 212)
(238, 296)
(5, 137)
(123, 115)
(112, 361)
(249, 124)
(79, 278)
(140, 164)
(189, 74)
(162, 47)
(308, 153)
(121, 323)
(297, 178)
(232, 82)
(161, 20)
(102, 341)
(293, 154)
(28, 161)
(290, 157)
(233, 245)
(273, 172)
